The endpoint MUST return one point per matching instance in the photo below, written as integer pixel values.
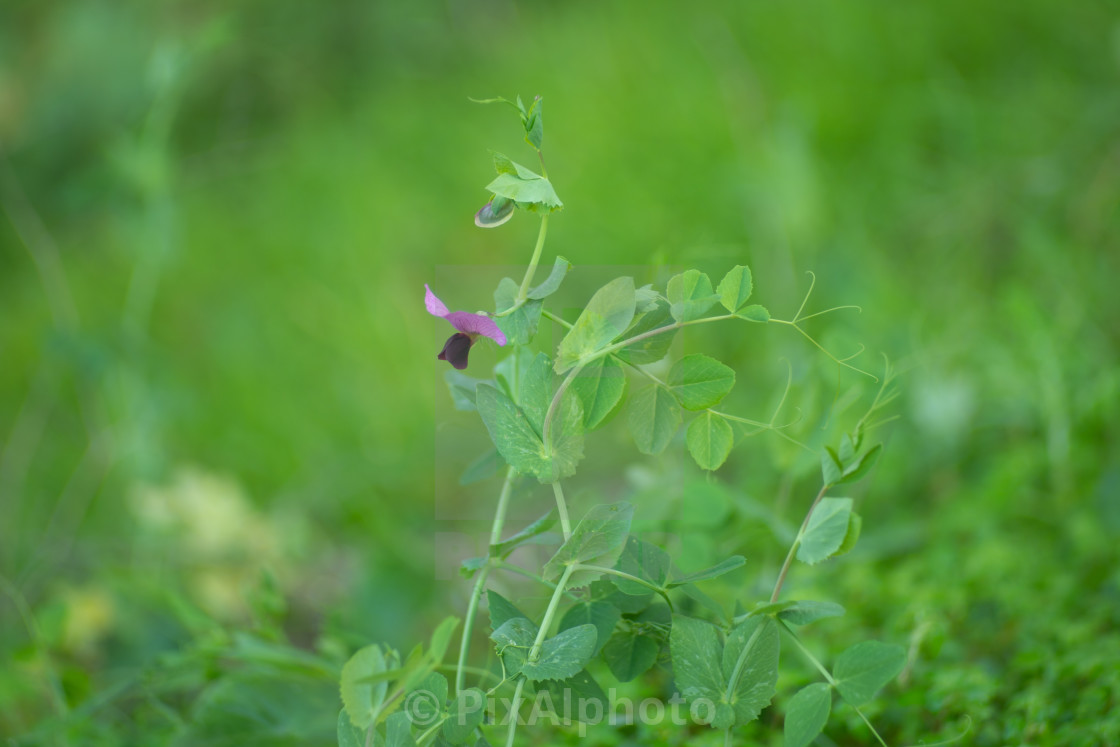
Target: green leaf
(563, 655)
(471, 566)
(512, 640)
(600, 386)
(646, 299)
(725, 566)
(512, 432)
(603, 615)
(607, 315)
(528, 534)
(534, 124)
(806, 611)
(519, 326)
(552, 282)
(630, 655)
(428, 707)
(847, 450)
(461, 387)
(653, 417)
(604, 590)
(690, 295)
(482, 468)
(830, 466)
(704, 600)
(699, 382)
(520, 445)
(501, 610)
(348, 734)
(528, 189)
(650, 316)
(398, 731)
(362, 700)
(644, 560)
(826, 530)
(574, 697)
(735, 288)
(865, 667)
(858, 470)
(597, 540)
(806, 714)
(509, 370)
(464, 715)
(754, 313)
(851, 537)
(696, 651)
(535, 391)
(750, 666)
(709, 440)
(441, 637)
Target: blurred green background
(223, 459)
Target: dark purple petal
(476, 324)
(455, 350)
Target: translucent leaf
(690, 295)
(563, 655)
(653, 417)
(754, 313)
(806, 714)
(528, 534)
(826, 530)
(597, 540)
(600, 386)
(709, 440)
(362, 701)
(603, 615)
(696, 651)
(735, 288)
(807, 611)
(699, 382)
(863, 466)
(465, 714)
(750, 666)
(645, 561)
(552, 282)
(606, 316)
(630, 655)
(512, 640)
(717, 570)
(865, 668)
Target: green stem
(513, 712)
(480, 582)
(523, 293)
(796, 544)
(562, 509)
(553, 605)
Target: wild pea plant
(614, 596)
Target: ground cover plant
(617, 599)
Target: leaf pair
(518, 431)
(859, 673)
(732, 680)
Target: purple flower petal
(434, 305)
(464, 321)
(476, 324)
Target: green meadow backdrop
(226, 452)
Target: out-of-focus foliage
(228, 457)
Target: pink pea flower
(469, 327)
